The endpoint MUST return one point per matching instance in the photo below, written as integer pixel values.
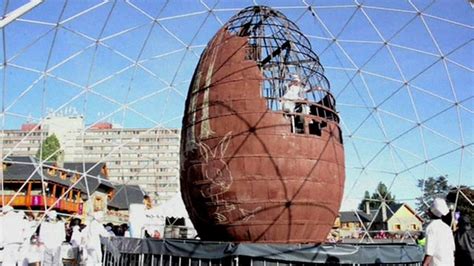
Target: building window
(397, 227)
(413, 227)
(62, 175)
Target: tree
(464, 199)
(381, 193)
(432, 188)
(50, 149)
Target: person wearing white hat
(52, 234)
(92, 234)
(32, 251)
(439, 248)
(294, 92)
(12, 226)
(289, 101)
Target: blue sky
(401, 104)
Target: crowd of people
(26, 241)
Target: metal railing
(139, 252)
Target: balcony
(36, 201)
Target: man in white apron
(439, 248)
(91, 237)
(13, 227)
(294, 92)
(52, 235)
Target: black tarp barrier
(300, 253)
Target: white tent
(155, 218)
(175, 208)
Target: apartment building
(139, 156)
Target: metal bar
(276, 52)
(19, 12)
(105, 255)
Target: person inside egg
(294, 92)
(293, 101)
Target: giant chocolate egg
(262, 156)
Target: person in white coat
(76, 236)
(293, 102)
(13, 227)
(52, 234)
(439, 248)
(32, 251)
(91, 237)
(74, 252)
(294, 92)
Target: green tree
(464, 199)
(50, 149)
(381, 193)
(432, 188)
